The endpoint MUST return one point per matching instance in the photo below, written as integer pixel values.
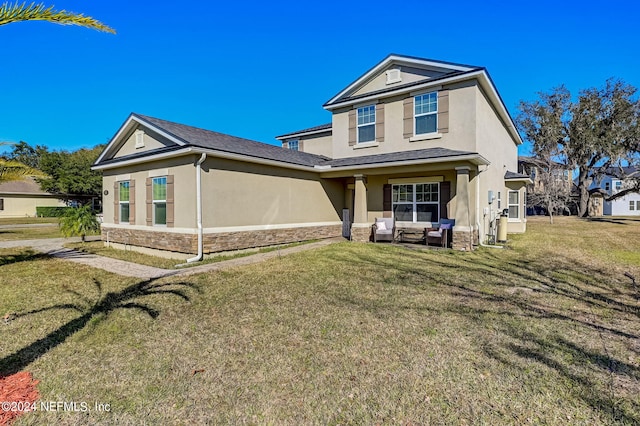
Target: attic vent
(139, 138)
(393, 76)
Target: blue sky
(260, 69)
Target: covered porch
(417, 197)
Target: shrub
(51, 211)
(79, 221)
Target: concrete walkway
(29, 225)
(54, 247)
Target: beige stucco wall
(461, 135)
(244, 194)
(514, 225)
(152, 141)
(408, 75)
(183, 170)
(25, 205)
(319, 145)
(497, 146)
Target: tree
(592, 134)
(17, 12)
(15, 170)
(70, 172)
(79, 221)
(26, 154)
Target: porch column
(361, 228)
(462, 231)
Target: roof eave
(300, 134)
(397, 58)
(475, 159)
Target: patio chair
(442, 232)
(384, 229)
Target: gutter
(200, 254)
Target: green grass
(12, 234)
(27, 220)
(98, 248)
(545, 332)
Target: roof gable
(396, 71)
(125, 142)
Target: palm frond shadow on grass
(103, 306)
(23, 256)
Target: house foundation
(217, 242)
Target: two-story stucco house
(414, 139)
(612, 183)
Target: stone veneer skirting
(225, 241)
(463, 240)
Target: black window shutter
(386, 200)
(445, 197)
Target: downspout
(198, 257)
(478, 212)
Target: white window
(637, 205)
(416, 202)
(123, 194)
(632, 205)
(514, 205)
(618, 185)
(367, 124)
(426, 113)
(294, 145)
(159, 190)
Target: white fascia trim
(402, 61)
(253, 228)
(298, 135)
(412, 89)
(527, 180)
(127, 126)
(476, 159)
(249, 159)
(161, 156)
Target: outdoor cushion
(384, 231)
(445, 226)
(381, 225)
(434, 234)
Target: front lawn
(545, 332)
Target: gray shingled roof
(310, 129)
(514, 175)
(25, 186)
(419, 154)
(196, 137)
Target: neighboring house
(533, 167)
(608, 185)
(19, 198)
(412, 138)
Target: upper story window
(1, 204)
(618, 185)
(367, 124)
(124, 201)
(294, 145)
(426, 113)
(607, 186)
(159, 190)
